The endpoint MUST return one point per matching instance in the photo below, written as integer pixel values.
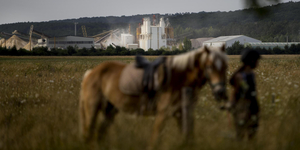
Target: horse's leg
(82, 119)
(109, 114)
(161, 116)
(178, 117)
(188, 101)
(89, 108)
(157, 128)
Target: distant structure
(229, 40)
(107, 38)
(153, 36)
(127, 40)
(65, 41)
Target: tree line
(235, 49)
(71, 51)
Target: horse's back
(104, 79)
(98, 77)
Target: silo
(138, 32)
(162, 25)
(147, 25)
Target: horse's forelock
(216, 56)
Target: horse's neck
(179, 77)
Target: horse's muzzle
(220, 93)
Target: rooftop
(224, 38)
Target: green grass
(39, 108)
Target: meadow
(39, 108)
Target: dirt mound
(2, 41)
(27, 46)
(15, 41)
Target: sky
(12, 11)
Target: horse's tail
(82, 114)
(88, 105)
(87, 73)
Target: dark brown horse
(100, 90)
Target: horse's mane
(187, 60)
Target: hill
(281, 21)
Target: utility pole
(30, 35)
(299, 35)
(75, 23)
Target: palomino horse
(100, 90)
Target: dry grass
(39, 108)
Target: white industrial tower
(152, 36)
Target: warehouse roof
(224, 38)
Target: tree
(235, 49)
(174, 48)
(71, 50)
(180, 47)
(187, 44)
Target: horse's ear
(223, 48)
(206, 49)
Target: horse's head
(204, 64)
(214, 64)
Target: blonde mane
(187, 60)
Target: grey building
(64, 42)
(229, 40)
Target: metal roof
(224, 38)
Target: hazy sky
(12, 11)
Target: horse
(100, 91)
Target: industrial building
(64, 42)
(270, 45)
(127, 40)
(103, 40)
(154, 36)
(229, 40)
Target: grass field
(39, 108)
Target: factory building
(64, 42)
(152, 36)
(127, 41)
(229, 40)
